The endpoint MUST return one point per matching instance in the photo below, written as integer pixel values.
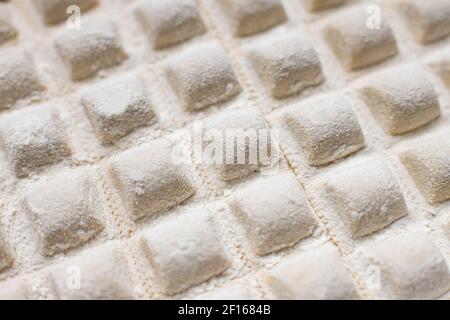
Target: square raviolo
(18, 79)
(356, 45)
(6, 260)
(318, 5)
(325, 127)
(64, 211)
(202, 76)
(169, 22)
(7, 31)
(33, 138)
(56, 11)
(229, 292)
(412, 267)
(428, 163)
(317, 274)
(117, 107)
(184, 251)
(441, 65)
(429, 20)
(275, 213)
(367, 196)
(96, 274)
(402, 99)
(148, 179)
(253, 16)
(88, 50)
(287, 65)
(242, 140)
(14, 289)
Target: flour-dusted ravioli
(253, 16)
(18, 78)
(441, 65)
(185, 251)
(318, 5)
(148, 179)
(6, 260)
(401, 99)
(275, 213)
(429, 20)
(56, 11)
(325, 127)
(242, 143)
(64, 210)
(355, 44)
(428, 163)
(117, 107)
(14, 289)
(316, 274)
(287, 65)
(94, 47)
(367, 196)
(7, 31)
(202, 76)
(96, 274)
(412, 267)
(169, 22)
(229, 292)
(33, 138)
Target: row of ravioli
(325, 127)
(170, 22)
(286, 65)
(402, 99)
(186, 250)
